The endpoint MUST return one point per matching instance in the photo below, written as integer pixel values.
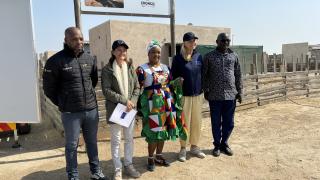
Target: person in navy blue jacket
(187, 65)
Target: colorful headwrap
(153, 44)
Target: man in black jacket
(69, 79)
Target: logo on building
(148, 3)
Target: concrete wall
(315, 52)
(138, 34)
(100, 43)
(295, 53)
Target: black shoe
(226, 150)
(160, 160)
(216, 152)
(151, 165)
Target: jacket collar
(70, 52)
(110, 68)
(229, 51)
(193, 53)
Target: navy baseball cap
(189, 36)
(118, 43)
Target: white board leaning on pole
(18, 64)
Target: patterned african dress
(161, 109)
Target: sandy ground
(275, 141)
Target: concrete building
(296, 55)
(314, 56)
(138, 34)
(315, 51)
(295, 52)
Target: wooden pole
(302, 62)
(308, 68)
(274, 63)
(172, 28)
(77, 13)
(285, 78)
(265, 66)
(255, 72)
(244, 66)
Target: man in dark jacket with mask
(69, 79)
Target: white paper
(121, 116)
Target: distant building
(295, 52)
(139, 34)
(315, 51)
(86, 47)
(314, 56)
(43, 57)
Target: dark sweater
(190, 71)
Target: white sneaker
(131, 171)
(117, 174)
(197, 152)
(182, 156)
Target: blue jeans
(222, 121)
(72, 123)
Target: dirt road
(275, 141)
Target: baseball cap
(118, 43)
(189, 36)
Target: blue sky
(270, 23)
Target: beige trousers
(192, 110)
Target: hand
(239, 98)
(130, 105)
(180, 80)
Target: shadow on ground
(107, 168)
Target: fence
(258, 89)
(280, 64)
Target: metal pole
(16, 143)
(172, 28)
(77, 13)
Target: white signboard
(18, 65)
(157, 7)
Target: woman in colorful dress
(161, 108)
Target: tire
(23, 128)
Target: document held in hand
(121, 116)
